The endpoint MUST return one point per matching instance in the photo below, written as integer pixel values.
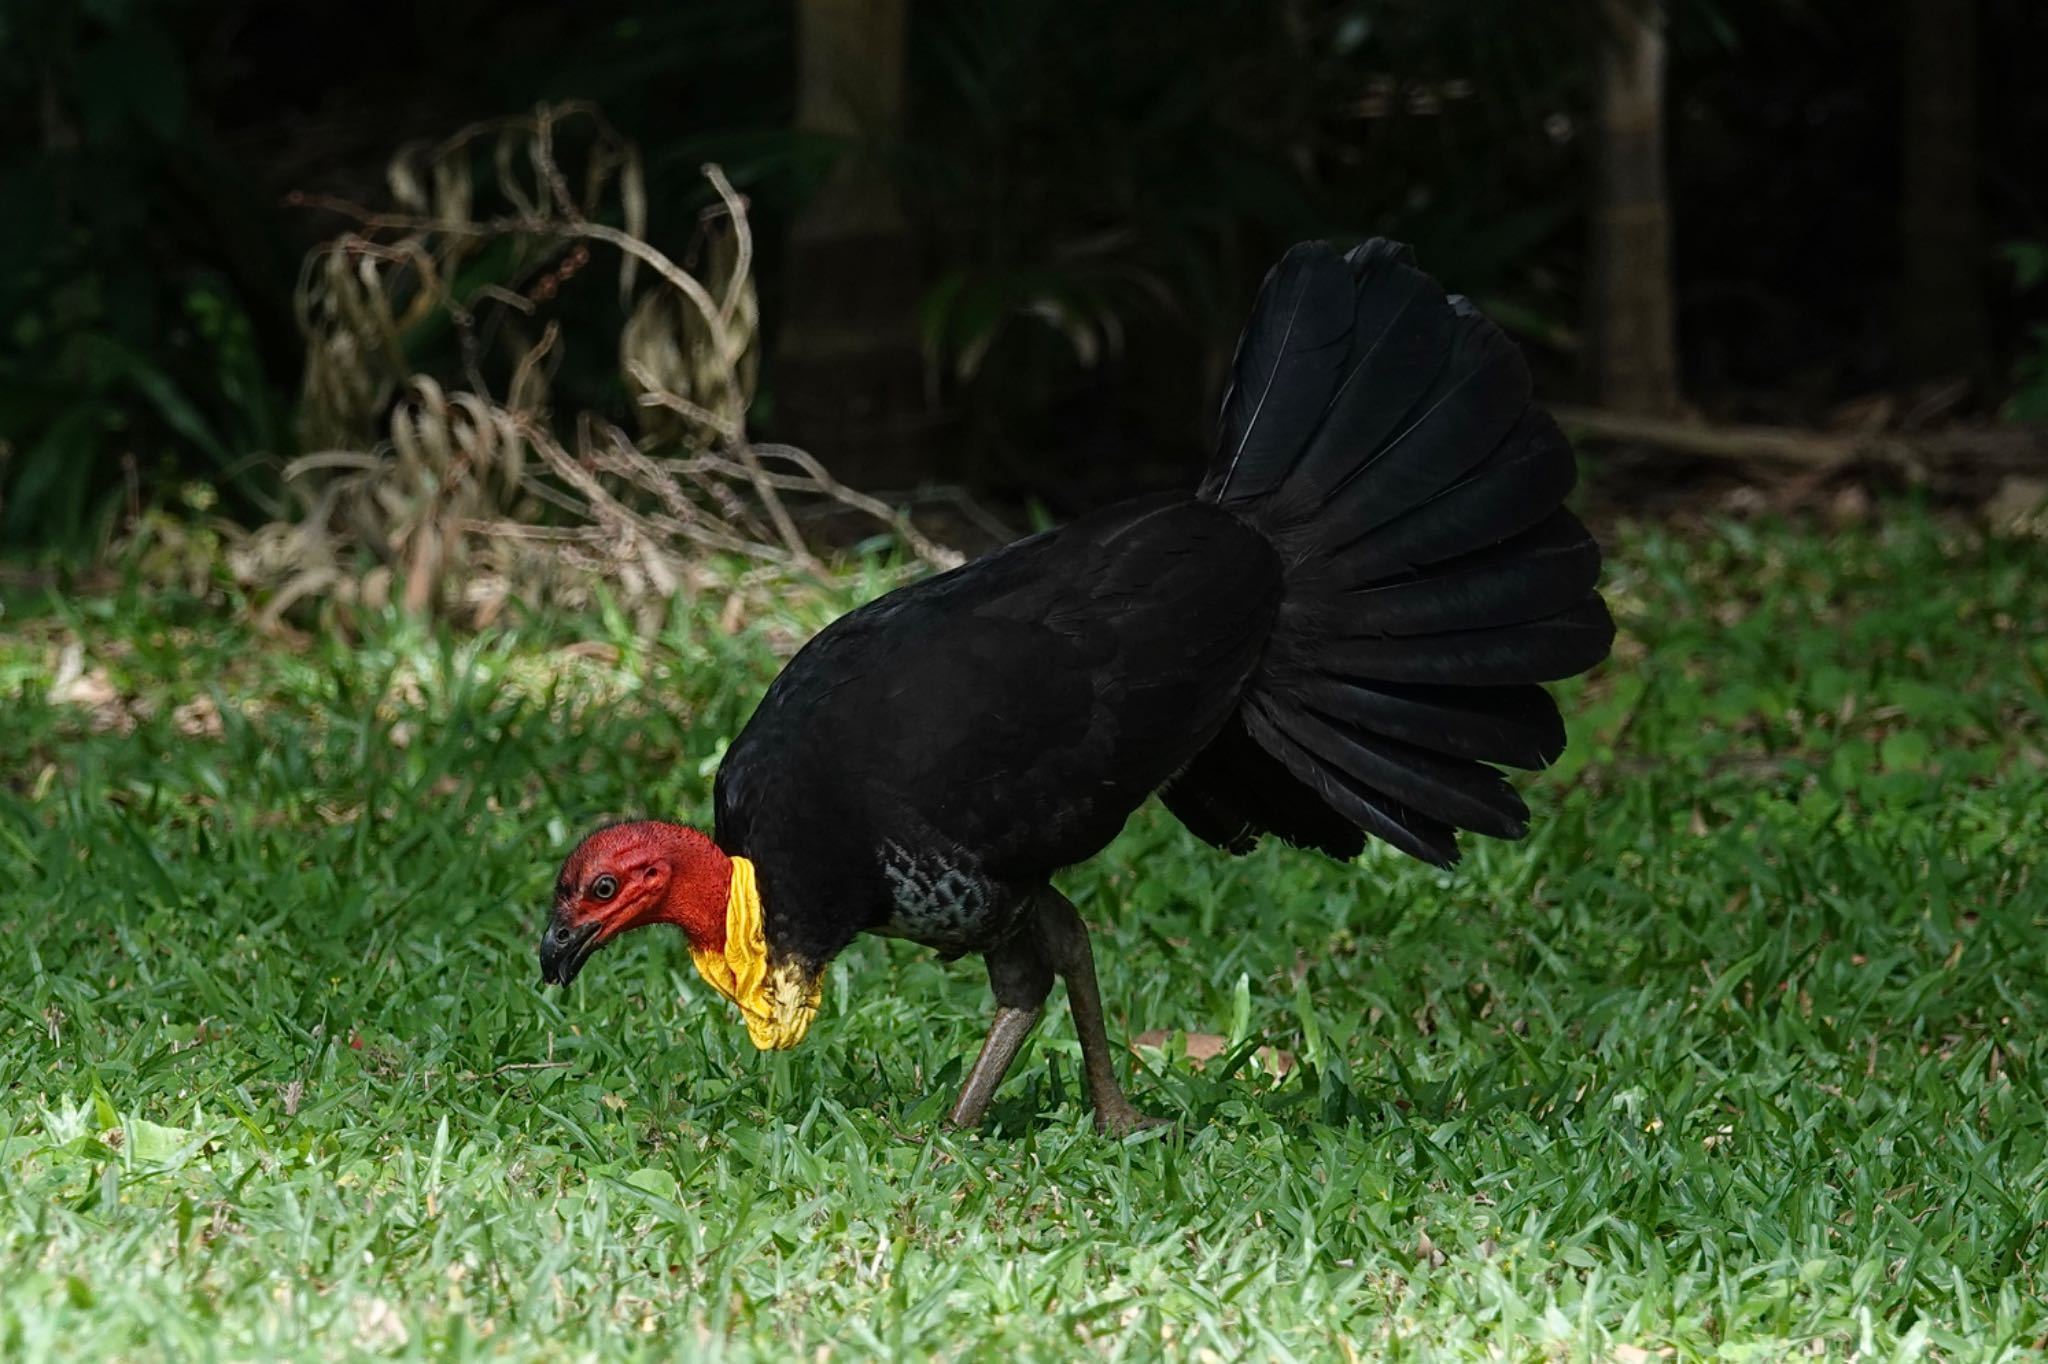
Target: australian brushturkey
(1340, 634)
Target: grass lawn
(1741, 1055)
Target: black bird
(1342, 633)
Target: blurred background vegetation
(1004, 245)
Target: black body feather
(1339, 635)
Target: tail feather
(1405, 336)
(1382, 434)
(1538, 574)
(1526, 476)
(1234, 791)
(1287, 367)
(1517, 726)
(1467, 795)
(1390, 339)
(1538, 651)
(1373, 811)
(1477, 395)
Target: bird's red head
(628, 876)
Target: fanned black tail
(1382, 435)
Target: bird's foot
(1121, 1118)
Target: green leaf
(152, 1143)
(1906, 751)
(659, 1182)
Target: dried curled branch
(455, 500)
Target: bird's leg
(1021, 977)
(1065, 941)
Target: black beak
(564, 948)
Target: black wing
(1015, 710)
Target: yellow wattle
(777, 1000)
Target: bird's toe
(1123, 1119)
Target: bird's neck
(698, 887)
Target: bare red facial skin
(626, 876)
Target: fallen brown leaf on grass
(198, 718)
(73, 684)
(91, 690)
(1204, 1047)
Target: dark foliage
(1093, 189)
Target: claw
(1121, 1122)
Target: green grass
(1740, 1055)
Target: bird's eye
(604, 887)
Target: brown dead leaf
(91, 690)
(1204, 1047)
(1274, 1061)
(198, 718)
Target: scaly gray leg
(1021, 977)
(1064, 939)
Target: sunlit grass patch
(1739, 1054)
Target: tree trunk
(1941, 329)
(850, 380)
(1629, 297)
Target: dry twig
(458, 500)
(1918, 454)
